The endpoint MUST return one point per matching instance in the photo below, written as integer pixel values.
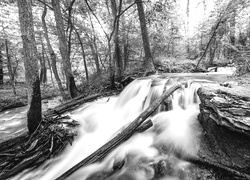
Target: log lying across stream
(103, 151)
(70, 105)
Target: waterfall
(175, 131)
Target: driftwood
(70, 105)
(103, 151)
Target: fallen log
(70, 105)
(103, 151)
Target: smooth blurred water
(175, 128)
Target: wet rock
(225, 118)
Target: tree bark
(34, 114)
(52, 53)
(187, 33)
(43, 68)
(71, 86)
(1, 64)
(10, 69)
(93, 47)
(103, 151)
(148, 61)
(232, 23)
(83, 55)
(117, 51)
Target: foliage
(170, 29)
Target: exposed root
(49, 139)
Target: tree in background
(1, 64)
(43, 67)
(64, 50)
(34, 115)
(11, 69)
(116, 10)
(51, 52)
(148, 60)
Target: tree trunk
(148, 61)
(187, 33)
(125, 43)
(34, 114)
(232, 23)
(83, 55)
(93, 47)
(50, 68)
(71, 86)
(212, 52)
(52, 53)
(117, 51)
(10, 69)
(1, 64)
(43, 69)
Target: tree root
(23, 152)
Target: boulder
(225, 119)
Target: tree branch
(41, 1)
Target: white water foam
(176, 130)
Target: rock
(225, 118)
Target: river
(176, 129)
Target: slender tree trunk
(188, 46)
(126, 55)
(93, 47)
(64, 49)
(83, 56)
(10, 69)
(50, 68)
(117, 51)
(52, 53)
(148, 61)
(43, 68)
(125, 43)
(34, 114)
(232, 23)
(1, 64)
(95, 56)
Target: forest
(78, 51)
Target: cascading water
(175, 131)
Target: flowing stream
(175, 131)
